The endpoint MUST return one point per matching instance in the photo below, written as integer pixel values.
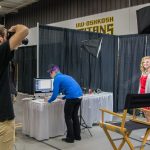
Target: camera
(10, 34)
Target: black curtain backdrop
(25, 57)
(99, 71)
(116, 69)
(90, 73)
(62, 47)
(131, 49)
(148, 46)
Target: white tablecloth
(92, 103)
(42, 120)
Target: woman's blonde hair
(143, 70)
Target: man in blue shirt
(71, 89)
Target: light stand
(82, 121)
(94, 50)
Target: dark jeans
(72, 119)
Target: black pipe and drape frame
(116, 69)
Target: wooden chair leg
(123, 141)
(147, 133)
(129, 142)
(110, 139)
(122, 144)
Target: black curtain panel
(51, 49)
(148, 45)
(96, 61)
(73, 51)
(90, 76)
(25, 57)
(99, 60)
(131, 50)
(108, 62)
(116, 69)
(62, 47)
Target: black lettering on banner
(103, 29)
(107, 19)
(95, 21)
(106, 29)
(79, 25)
(82, 29)
(96, 29)
(103, 25)
(89, 29)
(110, 28)
(92, 22)
(111, 19)
(87, 23)
(103, 20)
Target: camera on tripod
(10, 34)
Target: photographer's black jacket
(6, 106)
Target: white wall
(125, 21)
(32, 37)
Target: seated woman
(144, 84)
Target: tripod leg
(84, 123)
(86, 126)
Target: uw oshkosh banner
(100, 25)
(117, 22)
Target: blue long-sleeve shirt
(67, 85)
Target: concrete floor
(96, 142)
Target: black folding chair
(127, 125)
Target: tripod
(82, 121)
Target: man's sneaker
(78, 139)
(68, 140)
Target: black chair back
(137, 101)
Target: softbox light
(93, 47)
(143, 20)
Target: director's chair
(127, 125)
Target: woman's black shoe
(68, 140)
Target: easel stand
(82, 122)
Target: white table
(42, 120)
(92, 103)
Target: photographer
(7, 48)
(12, 80)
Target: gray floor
(96, 142)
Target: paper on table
(60, 96)
(39, 100)
(27, 98)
